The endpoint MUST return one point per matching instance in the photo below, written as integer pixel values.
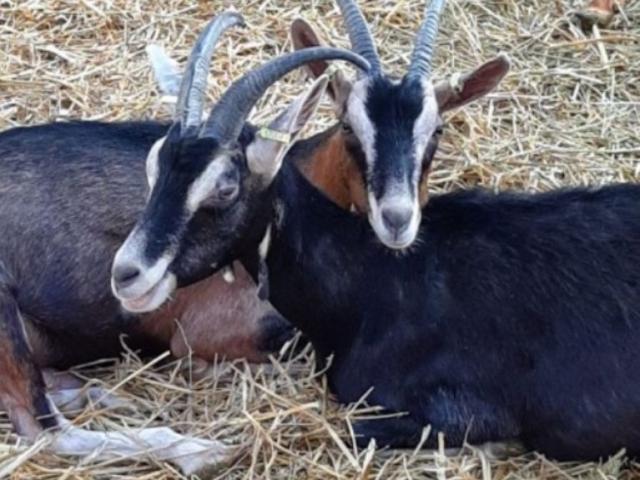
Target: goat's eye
(346, 128)
(225, 191)
(439, 130)
(220, 200)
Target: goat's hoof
(209, 462)
(394, 432)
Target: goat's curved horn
(231, 111)
(194, 83)
(426, 40)
(361, 40)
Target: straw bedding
(568, 114)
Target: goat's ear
(467, 88)
(165, 70)
(304, 36)
(271, 144)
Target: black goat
(378, 157)
(69, 195)
(515, 317)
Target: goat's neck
(311, 262)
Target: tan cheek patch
(424, 187)
(333, 171)
(357, 189)
(327, 171)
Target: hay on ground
(568, 114)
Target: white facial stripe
(132, 253)
(152, 163)
(424, 127)
(359, 119)
(153, 299)
(394, 200)
(204, 184)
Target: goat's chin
(154, 298)
(400, 243)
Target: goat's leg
(191, 455)
(22, 389)
(23, 395)
(69, 393)
(461, 416)
(396, 432)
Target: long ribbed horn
(229, 114)
(426, 41)
(194, 83)
(361, 40)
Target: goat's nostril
(125, 275)
(397, 220)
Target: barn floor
(568, 114)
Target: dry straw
(568, 114)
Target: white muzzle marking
(396, 240)
(154, 284)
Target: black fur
(69, 195)
(514, 316)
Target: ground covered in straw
(568, 114)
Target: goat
(394, 122)
(378, 156)
(515, 317)
(69, 194)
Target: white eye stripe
(152, 163)
(204, 184)
(360, 122)
(424, 127)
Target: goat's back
(69, 194)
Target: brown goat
(215, 319)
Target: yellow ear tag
(274, 135)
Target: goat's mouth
(398, 235)
(153, 298)
(393, 241)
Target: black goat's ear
(467, 88)
(304, 36)
(266, 152)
